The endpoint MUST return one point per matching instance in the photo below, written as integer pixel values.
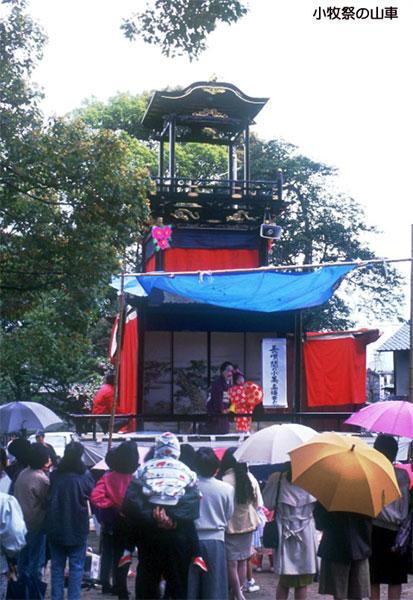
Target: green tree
(73, 201)
(322, 224)
(124, 112)
(181, 26)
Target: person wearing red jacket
(102, 402)
(108, 496)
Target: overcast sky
(340, 90)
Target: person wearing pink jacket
(107, 497)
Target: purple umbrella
(390, 416)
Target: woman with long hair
(67, 520)
(244, 521)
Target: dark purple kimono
(216, 405)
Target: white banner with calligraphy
(274, 372)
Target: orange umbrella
(344, 474)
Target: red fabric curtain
(128, 366)
(335, 371)
(188, 259)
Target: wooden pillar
(209, 378)
(263, 252)
(119, 341)
(159, 260)
(298, 345)
(280, 182)
(172, 140)
(231, 168)
(230, 162)
(172, 355)
(247, 157)
(140, 309)
(161, 163)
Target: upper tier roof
(205, 111)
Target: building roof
(368, 336)
(205, 111)
(398, 341)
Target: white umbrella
(270, 446)
(26, 415)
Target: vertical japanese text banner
(274, 372)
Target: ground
(268, 582)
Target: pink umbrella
(391, 416)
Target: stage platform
(95, 450)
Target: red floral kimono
(243, 399)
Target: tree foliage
(124, 112)
(181, 26)
(73, 202)
(322, 224)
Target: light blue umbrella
(26, 415)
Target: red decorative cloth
(190, 259)
(335, 366)
(128, 366)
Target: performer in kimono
(244, 397)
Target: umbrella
(390, 416)
(344, 474)
(26, 415)
(271, 445)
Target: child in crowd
(264, 516)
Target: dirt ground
(266, 580)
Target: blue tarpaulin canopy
(259, 290)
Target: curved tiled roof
(398, 341)
(212, 112)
